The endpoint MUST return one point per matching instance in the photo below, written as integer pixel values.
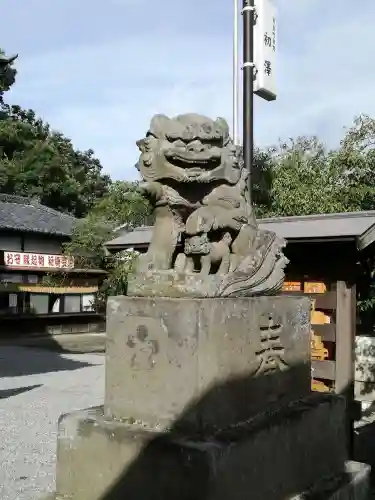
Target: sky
(97, 70)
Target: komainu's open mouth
(204, 161)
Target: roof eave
(323, 239)
(326, 239)
(366, 239)
(35, 231)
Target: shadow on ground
(18, 361)
(8, 393)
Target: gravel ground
(36, 387)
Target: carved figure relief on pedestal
(205, 231)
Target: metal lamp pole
(236, 138)
(248, 11)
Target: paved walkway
(36, 387)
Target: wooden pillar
(345, 349)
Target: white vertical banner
(236, 67)
(265, 44)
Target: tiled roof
(25, 214)
(340, 225)
(137, 236)
(353, 225)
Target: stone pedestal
(208, 399)
(273, 456)
(204, 362)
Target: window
(43, 303)
(8, 303)
(88, 302)
(13, 302)
(39, 303)
(11, 278)
(72, 304)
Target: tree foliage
(35, 161)
(261, 182)
(122, 205)
(306, 178)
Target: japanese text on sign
(265, 49)
(35, 260)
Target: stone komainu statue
(205, 240)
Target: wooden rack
(333, 333)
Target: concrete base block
(273, 456)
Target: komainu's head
(198, 244)
(188, 148)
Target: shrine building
(42, 290)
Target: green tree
(304, 180)
(123, 204)
(261, 182)
(36, 161)
(309, 179)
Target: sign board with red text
(15, 260)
